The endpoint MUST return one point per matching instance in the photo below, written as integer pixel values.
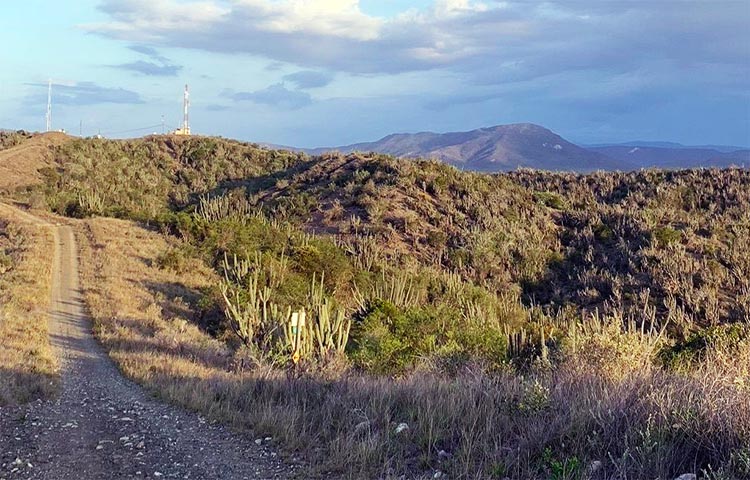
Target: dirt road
(105, 427)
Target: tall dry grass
(612, 404)
(28, 368)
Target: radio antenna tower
(185, 107)
(49, 106)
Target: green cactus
(91, 202)
(224, 207)
(257, 321)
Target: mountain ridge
(488, 149)
(526, 145)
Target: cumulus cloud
(83, 93)
(490, 42)
(275, 95)
(332, 34)
(309, 79)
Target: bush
(604, 233)
(6, 262)
(383, 339)
(549, 199)
(685, 355)
(177, 259)
(388, 340)
(664, 236)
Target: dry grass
(639, 422)
(143, 314)
(20, 164)
(27, 363)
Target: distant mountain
(674, 157)
(644, 143)
(507, 147)
(492, 149)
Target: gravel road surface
(104, 426)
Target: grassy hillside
(23, 156)
(528, 325)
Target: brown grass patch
(20, 165)
(28, 368)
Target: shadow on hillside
(251, 185)
(181, 301)
(585, 274)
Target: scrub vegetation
(387, 317)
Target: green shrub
(177, 259)
(437, 238)
(486, 344)
(381, 339)
(389, 340)
(684, 355)
(6, 262)
(604, 233)
(569, 468)
(549, 199)
(664, 236)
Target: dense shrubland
(143, 178)
(522, 325)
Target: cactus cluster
(317, 330)
(91, 202)
(224, 207)
(396, 289)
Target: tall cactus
(91, 202)
(314, 331)
(247, 303)
(224, 207)
(331, 327)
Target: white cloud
(153, 20)
(487, 42)
(333, 34)
(338, 18)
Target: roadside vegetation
(387, 317)
(27, 364)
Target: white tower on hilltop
(185, 129)
(48, 117)
(185, 107)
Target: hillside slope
(20, 164)
(531, 307)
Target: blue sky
(331, 72)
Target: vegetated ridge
(530, 325)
